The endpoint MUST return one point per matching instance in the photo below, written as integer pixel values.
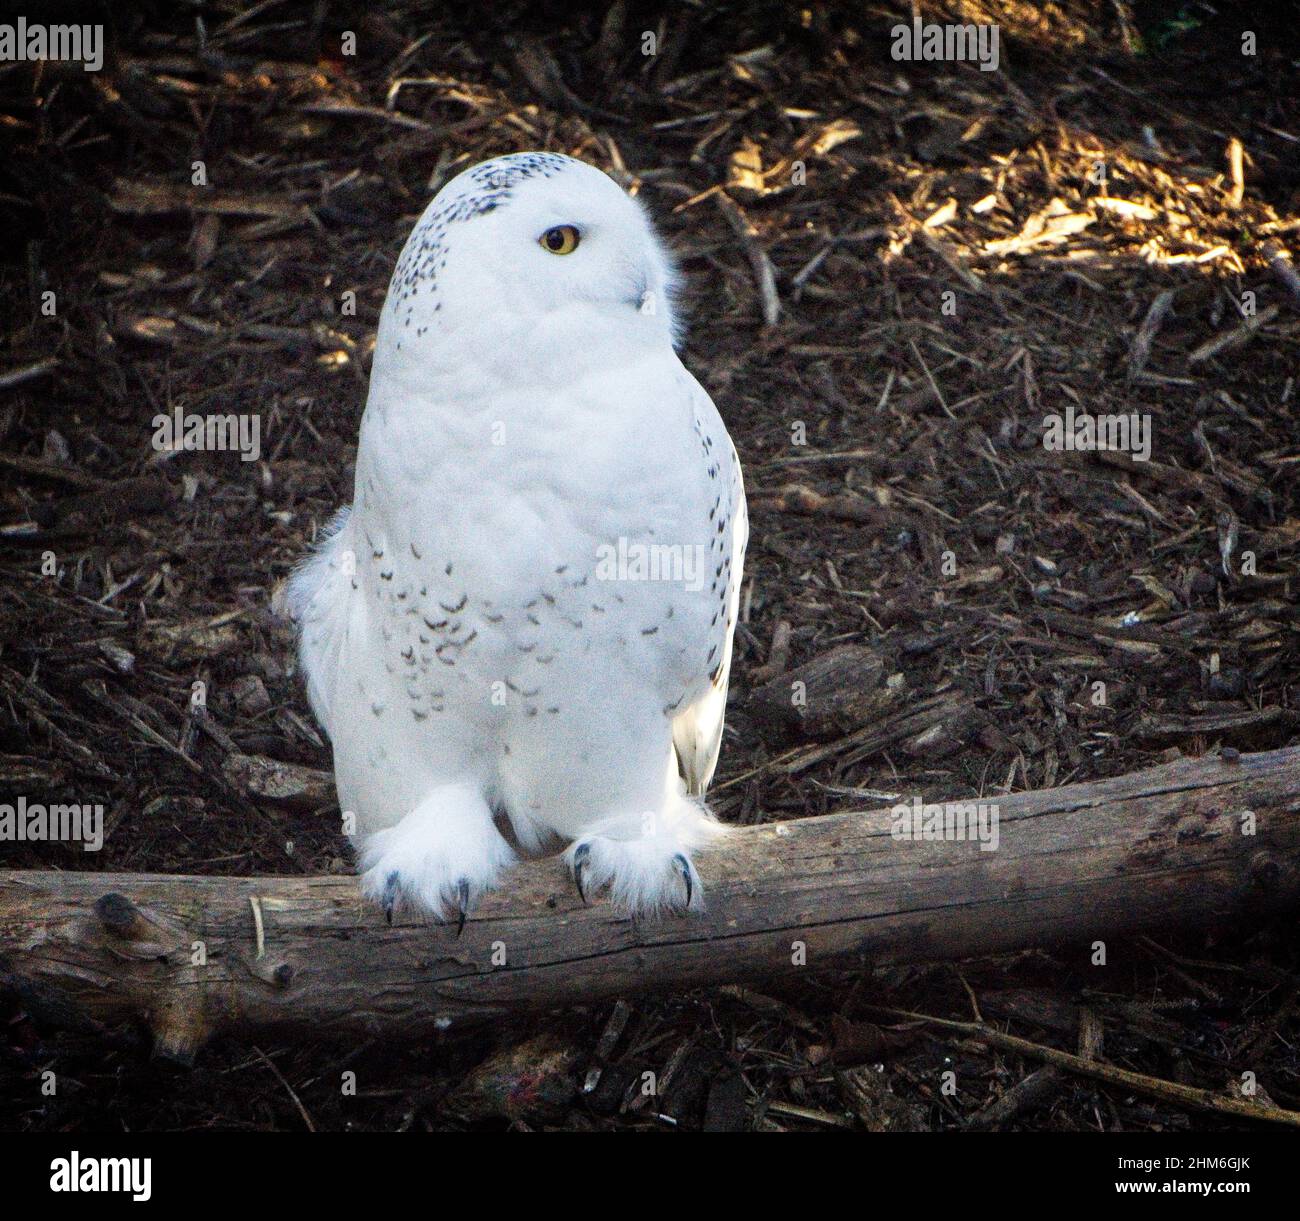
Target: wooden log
(1193, 842)
(835, 692)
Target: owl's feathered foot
(647, 874)
(681, 862)
(438, 860)
(465, 901)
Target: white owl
(519, 635)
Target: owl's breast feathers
(598, 524)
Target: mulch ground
(956, 254)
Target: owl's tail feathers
(317, 598)
(697, 736)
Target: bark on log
(1159, 847)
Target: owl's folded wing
(697, 729)
(318, 596)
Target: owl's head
(528, 237)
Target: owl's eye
(563, 239)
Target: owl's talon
(462, 905)
(580, 855)
(683, 867)
(390, 896)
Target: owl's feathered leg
(439, 859)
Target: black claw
(390, 896)
(685, 867)
(580, 855)
(462, 904)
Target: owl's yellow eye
(563, 239)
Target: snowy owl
(519, 634)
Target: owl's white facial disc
(479, 266)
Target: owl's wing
(697, 729)
(318, 600)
